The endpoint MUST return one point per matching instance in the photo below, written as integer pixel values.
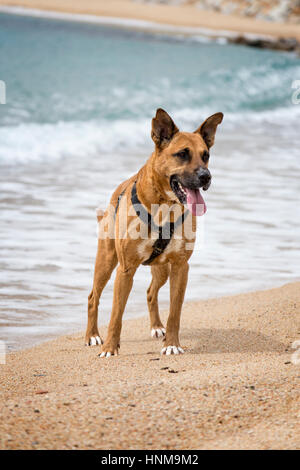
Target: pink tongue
(195, 202)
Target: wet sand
(236, 386)
(187, 16)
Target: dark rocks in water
(280, 44)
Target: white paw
(108, 354)
(158, 332)
(172, 350)
(94, 340)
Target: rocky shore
(280, 44)
(279, 11)
(264, 24)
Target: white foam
(38, 142)
(30, 142)
(289, 114)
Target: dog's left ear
(163, 129)
(207, 130)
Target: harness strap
(165, 232)
(118, 202)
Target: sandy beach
(236, 386)
(186, 16)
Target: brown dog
(131, 232)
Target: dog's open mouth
(191, 197)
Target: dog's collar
(165, 232)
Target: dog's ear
(208, 128)
(163, 129)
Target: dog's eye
(205, 156)
(183, 154)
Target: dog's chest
(146, 247)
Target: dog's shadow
(214, 341)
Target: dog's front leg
(178, 282)
(122, 287)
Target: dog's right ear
(208, 128)
(163, 129)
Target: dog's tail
(100, 214)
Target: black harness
(165, 232)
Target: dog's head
(181, 159)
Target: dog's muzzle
(200, 178)
(204, 178)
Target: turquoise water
(59, 71)
(80, 99)
(61, 75)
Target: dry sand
(234, 388)
(166, 14)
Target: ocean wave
(103, 74)
(32, 142)
(246, 91)
(38, 142)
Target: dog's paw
(158, 332)
(94, 341)
(168, 350)
(108, 354)
(109, 350)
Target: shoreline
(236, 383)
(44, 338)
(167, 19)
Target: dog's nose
(204, 177)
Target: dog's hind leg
(106, 262)
(160, 274)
